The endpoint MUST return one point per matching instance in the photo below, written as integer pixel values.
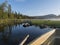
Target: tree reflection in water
(6, 33)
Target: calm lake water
(14, 34)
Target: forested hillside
(7, 13)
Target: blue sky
(35, 7)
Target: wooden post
(24, 40)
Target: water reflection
(5, 34)
(14, 34)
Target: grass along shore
(36, 22)
(46, 22)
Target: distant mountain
(46, 16)
(58, 16)
(50, 16)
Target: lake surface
(14, 34)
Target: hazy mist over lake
(54, 19)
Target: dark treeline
(7, 13)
